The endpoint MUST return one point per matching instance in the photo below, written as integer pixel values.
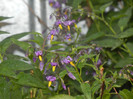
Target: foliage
(97, 65)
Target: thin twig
(117, 93)
(69, 91)
(39, 19)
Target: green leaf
(103, 7)
(80, 97)
(95, 87)
(106, 94)
(3, 32)
(86, 90)
(7, 41)
(123, 22)
(15, 65)
(123, 62)
(4, 89)
(56, 47)
(93, 37)
(82, 47)
(74, 3)
(108, 42)
(29, 80)
(62, 96)
(126, 94)
(130, 46)
(24, 45)
(4, 18)
(126, 34)
(63, 73)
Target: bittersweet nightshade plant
(53, 64)
(39, 55)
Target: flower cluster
(63, 24)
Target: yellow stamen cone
(72, 64)
(52, 36)
(49, 83)
(69, 39)
(51, 4)
(75, 25)
(53, 68)
(40, 58)
(68, 27)
(60, 26)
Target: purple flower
(58, 23)
(53, 32)
(39, 55)
(54, 64)
(51, 78)
(56, 5)
(71, 76)
(66, 23)
(68, 37)
(99, 62)
(51, 2)
(41, 66)
(69, 58)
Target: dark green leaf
(15, 65)
(126, 94)
(125, 34)
(63, 73)
(3, 32)
(92, 37)
(7, 41)
(29, 80)
(108, 42)
(123, 22)
(103, 7)
(123, 62)
(4, 89)
(4, 18)
(130, 46)
(23, 45)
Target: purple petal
(41, 65)
(71, 76)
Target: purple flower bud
(41, 66)
(69, 58)
(99, 62)
(65, 16)
(51, 78)
(64, 86)
(98, 49)
(71, 76)
(68, 37)
(34, 59)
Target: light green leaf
(86, 90)
(63, 73)
(130, 46)
(62, 96)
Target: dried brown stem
(117, 93)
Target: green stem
(79, 74)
